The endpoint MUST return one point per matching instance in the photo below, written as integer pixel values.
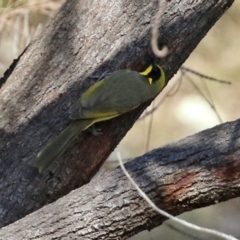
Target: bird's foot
(103, 75)
(94, 131)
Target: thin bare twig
(186, 234)
(150, 129)
(204, 96)
(154, 39)
(203, 75)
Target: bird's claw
(103, 75)
(94, 131)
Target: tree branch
(84, 38)
(197, 171)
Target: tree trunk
(85, 38)
(197, 171)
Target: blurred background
(187, 105)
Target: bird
(117, 93)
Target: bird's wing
(110, 97)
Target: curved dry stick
(154, 40)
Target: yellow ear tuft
(147, 71)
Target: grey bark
(85, 38)
(197, 171)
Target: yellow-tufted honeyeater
(112, 96)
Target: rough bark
(197, 171)
(84, 38)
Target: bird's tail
(57, 146)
